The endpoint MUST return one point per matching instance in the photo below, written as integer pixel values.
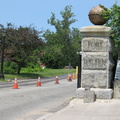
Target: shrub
(10, 67)
(30, 70)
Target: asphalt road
(26, 82)
(31, 102)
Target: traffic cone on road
(69, 78)
(73, 76)
(56, 80)
(39, 82)
(15, 84)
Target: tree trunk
(19, 68)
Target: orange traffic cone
(39, 82)
(73, 76)
(69, 78)
(56, 80)
(15, 84)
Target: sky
(37, 12)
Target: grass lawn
(44, 73)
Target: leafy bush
(52, 60)
(30, 70)
(10, 67)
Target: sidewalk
(78, 110)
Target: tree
(21, 43)
(64, 37)
(52, 56)
(113, 14)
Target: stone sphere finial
(95, 17)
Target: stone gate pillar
(97, 63)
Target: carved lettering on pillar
(95, 44)
(91, 63)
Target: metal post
(2, 56)
(79, 70)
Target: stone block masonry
(100, 93)
(97, 62)
(95, 44)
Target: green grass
(44, 73)
(73, 98)
(3, 80)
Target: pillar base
(100, 93)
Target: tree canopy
(20, 43)
(113, 16)
(62, 45)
